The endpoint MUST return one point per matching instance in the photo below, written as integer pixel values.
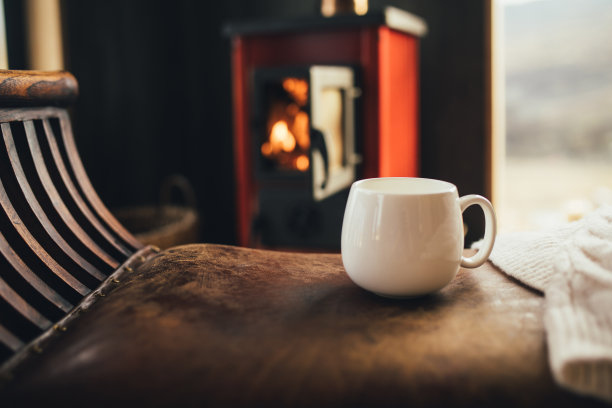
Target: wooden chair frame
(59, 244)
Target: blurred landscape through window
(558, 93)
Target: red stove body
(378, 53)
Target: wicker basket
(165, 225)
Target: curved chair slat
(39, 212)
(86, 187)
(22, 307)
(57, 201)
(9, 340)
(74, 193)
(31, 278)
(36, 248)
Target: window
(557, 62)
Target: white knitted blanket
(572, 265)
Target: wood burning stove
(319, 103)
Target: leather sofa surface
(212, 325)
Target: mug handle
(490, 230)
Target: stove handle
(317, 142)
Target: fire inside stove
(303, 119)
(288, 136)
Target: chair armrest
(37, 88)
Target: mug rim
(439, 186)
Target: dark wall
(155, 101)
(155, 95)
(15, 33)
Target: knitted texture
(572, 265)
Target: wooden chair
(58, 243)
(88, 316)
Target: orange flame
(297, 88)
(302, 162)
(289, 134)
(281, 139)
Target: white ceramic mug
(403, 237)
